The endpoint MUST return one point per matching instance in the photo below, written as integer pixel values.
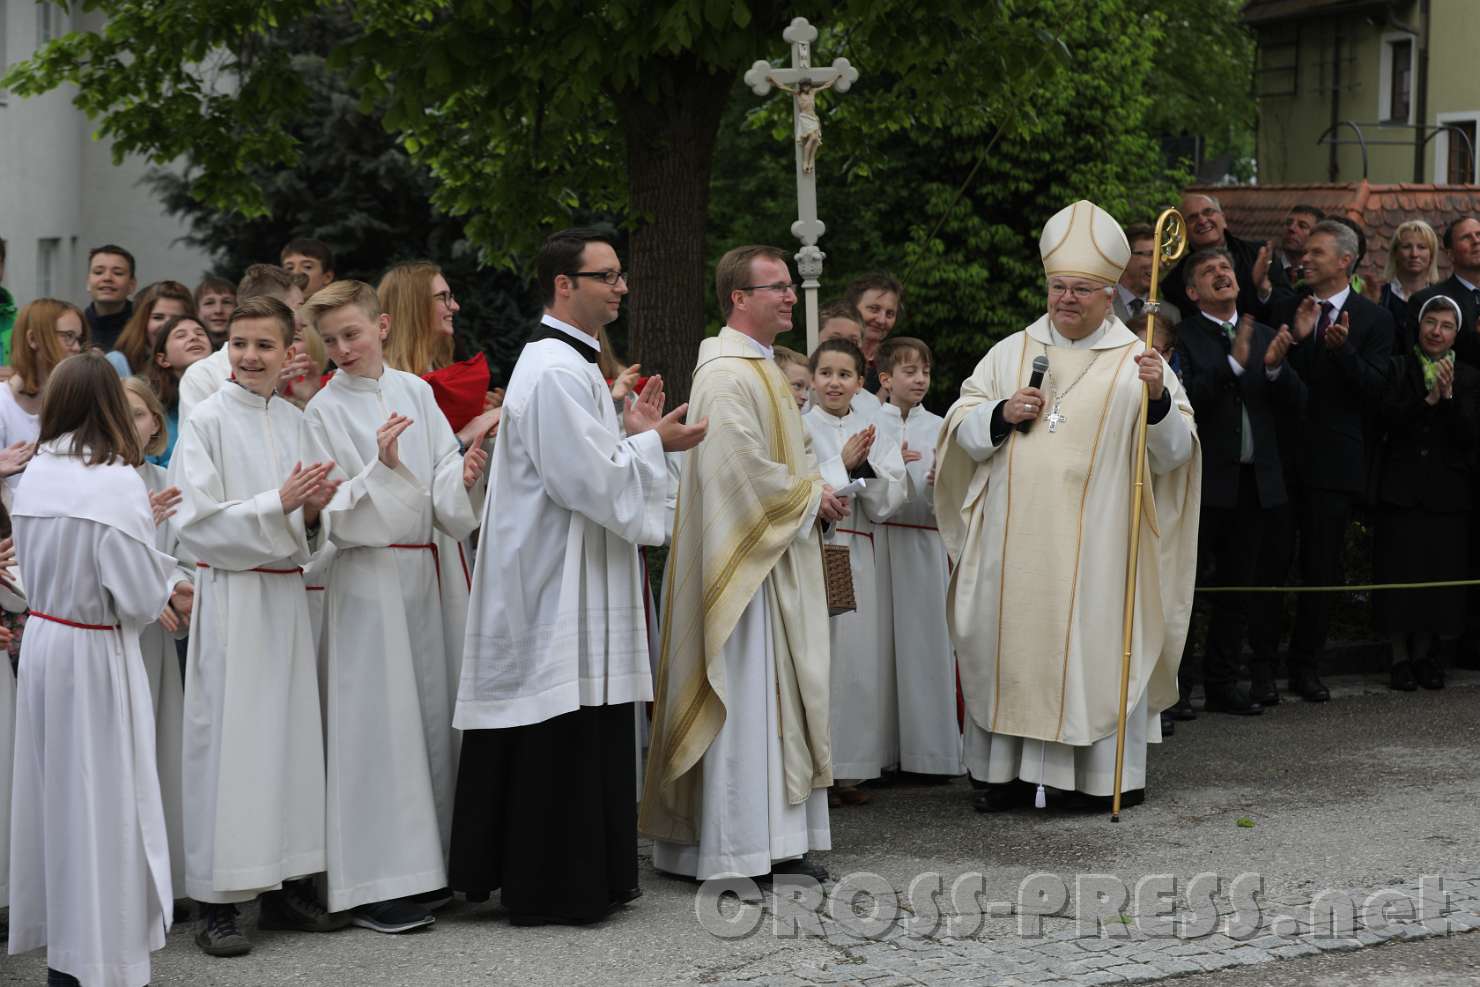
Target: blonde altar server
(556, 649)
(157, 642)
(1038, 522)
(390, 746)
(913, 570)
(741, 751)
(89, 858)
(865, 727)
(252, 487)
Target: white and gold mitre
(1084, 241)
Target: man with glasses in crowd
(741, 751)
(556, 650)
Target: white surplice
(12, 599)
(89, 856)
(254, 754)
(559, 620)
(167, 688)
(865, 729)
(201, 379)
(390, 746)
(913, 570)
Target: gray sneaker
(296, 907)
(219, 935)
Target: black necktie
(1324, 321)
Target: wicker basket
(837, 575)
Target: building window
(1395, 74)
(48, 264)
(1461, 164)
(1400, 99)
(49, 22)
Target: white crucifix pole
(804, 82)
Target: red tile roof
(1257, 212)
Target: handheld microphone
(1040, 367)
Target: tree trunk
(670, 154)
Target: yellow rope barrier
(1365, 587)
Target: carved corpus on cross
(804, 82)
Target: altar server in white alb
(913, 571)
(12, 600)
(1038, 523)
(157, 642)
(865, 725)
(252, 483)
(391, 750)
(556, 650)
(89, 860)
(741, 748)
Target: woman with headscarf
(1431, 416)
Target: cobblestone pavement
(1360, 806)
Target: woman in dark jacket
(1432, 420)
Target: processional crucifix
(804, 82)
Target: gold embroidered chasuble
(1039, 532)
(743, 525)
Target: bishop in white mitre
(1038, 523)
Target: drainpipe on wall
(1421, 92)
(1333, 163)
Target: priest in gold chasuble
(1038, 523)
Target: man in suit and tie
(1235, 373)
(1343, 342)
(1135, 283)
(1462, 242)
(1207, 227)
(1284, 270)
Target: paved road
(1365, 795)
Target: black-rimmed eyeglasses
(780, 287)
(608, 278)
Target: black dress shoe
(1230, 699)
(802, 865)
(1168, 725)
(1400, 677)
(1263, 691)
(1183, 710)
(1001, 798)
(1308, 686)
(1080, 802)
(1429, 674)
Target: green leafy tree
(950, 205)
(527, 115)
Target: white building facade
(60, 193)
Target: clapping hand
(7, 555)
(163, 504)
(1279, 348)
(909, 455)
(1336, 332)
(1306, 314)
(298, 365)
(176, 613)
(474, 460)
(626, 380)
(678, 436)
(856, 449)
(1443, 386)
(647, 410)
(302, 484)
(1243, 340)
(13, 458)
(1260, 272)
(386, 437)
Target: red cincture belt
(295, 571)
(917, 527)
(436, 559)
(72, 623)
(862, 534)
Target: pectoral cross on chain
(1054, 418)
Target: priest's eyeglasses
(608, 278)
(1081, 292)
(780, 287)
